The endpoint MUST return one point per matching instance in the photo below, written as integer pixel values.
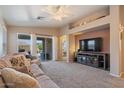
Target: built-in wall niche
(90, 18)
(63, 45)
(103, 33)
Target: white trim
(17, 42)
(114, 75)
(43, 36)
(54, 48)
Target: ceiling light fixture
(57, 12)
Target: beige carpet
(74, 75)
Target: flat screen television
(92, 44)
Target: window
(40, 45)
(3, 41)
(24, 42)
(44, 48)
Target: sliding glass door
(44, 48)
(48, 49)
(41, 48)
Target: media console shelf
(95, 59)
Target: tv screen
(93, 44)
(82, 45)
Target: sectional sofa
(30, 68)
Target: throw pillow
(19, 61)
(15, 79)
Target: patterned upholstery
(17, 61)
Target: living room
(89, 41)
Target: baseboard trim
(114, 75)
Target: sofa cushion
(6, 59)
(36, 61)
(15, 79)
(35, 69)
(3, 64)
(46, 82)
(25, 70)
(2, 83)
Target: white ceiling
(18, 15)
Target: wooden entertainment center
(95, 59)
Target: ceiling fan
(56, 12)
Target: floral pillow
(19, 62)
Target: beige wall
(104, 34)
(122, 38)
(114, 41)
(71, 46)
(12, 34)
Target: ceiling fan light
(57, 11)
